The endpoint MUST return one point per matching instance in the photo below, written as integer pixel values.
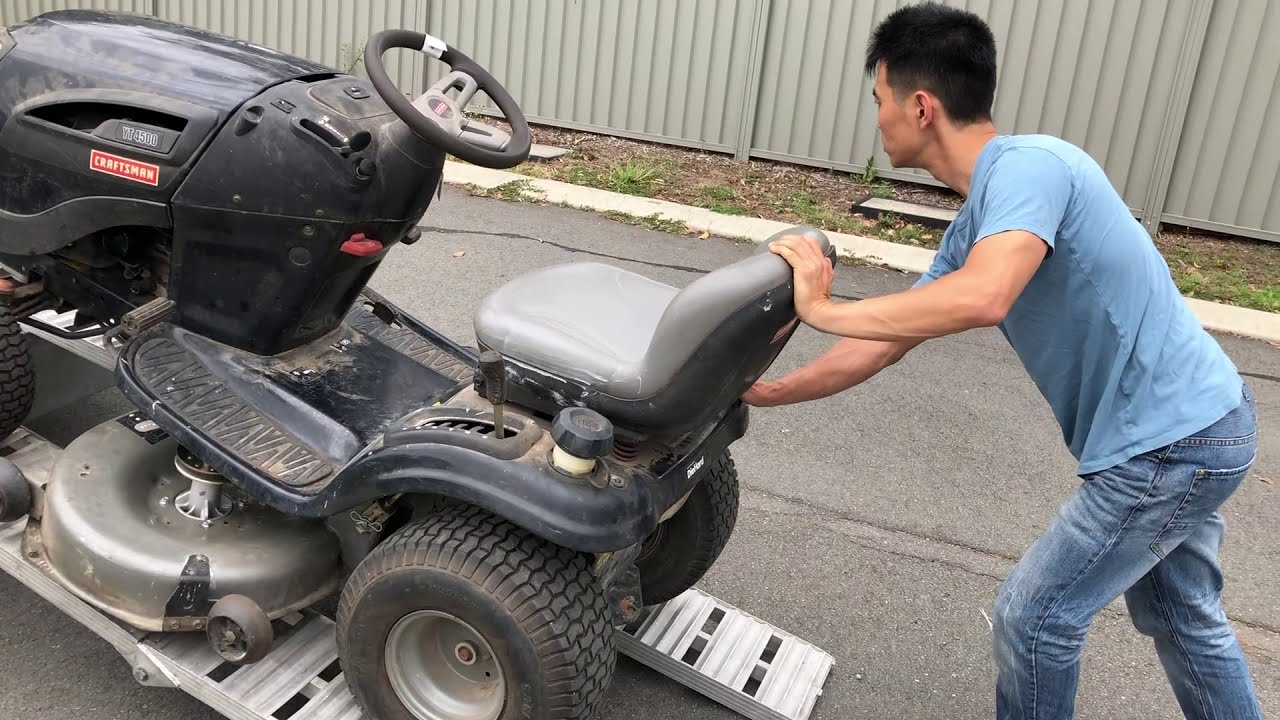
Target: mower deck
(698, 640)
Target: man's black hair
(946, 51)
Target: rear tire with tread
(676, 556)
(17, 376)
(537, 605)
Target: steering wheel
(437, 118)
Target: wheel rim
(442, 669)
(228, 639)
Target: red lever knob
(361, 246)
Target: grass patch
(634, 178)
(631, 177)
(719, 193)
(1243, 273)
(808, 209)
(721, 199)
(726, 208)
(514, 191)
(652, 222)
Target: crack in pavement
(851, 517)
(584, 251)
(914, 556)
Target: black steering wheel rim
(516, 152)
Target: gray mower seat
(623, 343)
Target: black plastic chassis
(370, 436)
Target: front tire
(676, 555)
(493, 622)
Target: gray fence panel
(668, 70)
(13, 12)
(332, 32)
(1227, 167)
(1100, 74)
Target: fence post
(1179, 104)
(751, 99)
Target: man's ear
(923, 107)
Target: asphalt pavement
(876, 524)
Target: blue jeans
(1150, 529)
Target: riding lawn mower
(486, 515)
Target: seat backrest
(730, 323)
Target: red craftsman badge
(125, 168)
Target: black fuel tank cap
(583, 432)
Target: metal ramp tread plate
(730, 656)
(300, 679)
(93, 349)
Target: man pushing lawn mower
(1162, 424)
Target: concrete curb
(1214, 316)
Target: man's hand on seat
(978, 294)
(812, 272)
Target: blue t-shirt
(1101, 328)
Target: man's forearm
(846, 364)
(951, 304)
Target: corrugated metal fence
(1173, 97)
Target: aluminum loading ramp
(697, 640)
(731, 657)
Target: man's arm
(850, 362)
(1023, 206)
(979, 294)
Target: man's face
(899, 123)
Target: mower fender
(569, 512)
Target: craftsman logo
(440, 108)
(694, 468)
(125, 168)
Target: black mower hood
(106, 51)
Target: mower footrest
(736, 659)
